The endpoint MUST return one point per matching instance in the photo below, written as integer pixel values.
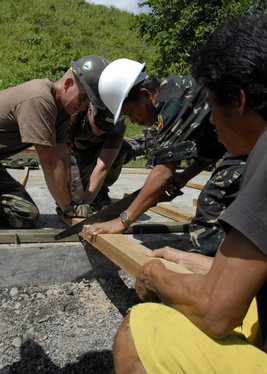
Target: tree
(179, 27)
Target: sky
(129, 5)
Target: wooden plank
(24, 178)
(135, 171)
(128, 254)
(197, 186)
(172, 212)
(17, 236)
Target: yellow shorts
(168, 343)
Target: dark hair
(152, 83)
(234, 58)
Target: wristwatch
(125, 218)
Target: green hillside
(40, 37)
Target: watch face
(124, 216)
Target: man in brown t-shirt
(37, 113)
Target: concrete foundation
(39, 263)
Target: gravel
(63, 328)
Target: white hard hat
(116, 81)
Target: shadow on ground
(35, 360)
(107, 274)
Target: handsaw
(111, 212)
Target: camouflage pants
(86, 161)
(17, 209)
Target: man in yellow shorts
(187, 322)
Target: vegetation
(178, 28)
(40, 37)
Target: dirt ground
(66, 328)
(69, 327)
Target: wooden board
(16, 236)
(128, 254)
(172, 212)
(125, 252)
(197, 186)
(24, 178)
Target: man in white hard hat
(177, 106)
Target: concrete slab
(62, 262)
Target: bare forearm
(104, 162)
(157, 181)
(96, 181)
(185, 293)
(56, 180)
(64, 153)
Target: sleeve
(248, 212)
(36, 118)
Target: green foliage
(40, 37)
(179, 28)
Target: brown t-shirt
(30, 115)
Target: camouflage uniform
(185, 133)
(183, 127)
(219, 192)
(17, 209)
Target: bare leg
(126, 360)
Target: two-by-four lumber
(17, 236)
(24, 178)
(172, 212)
(128, 254)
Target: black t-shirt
(248, 213)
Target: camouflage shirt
(183, 114)
(219, 192)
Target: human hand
(114, 226)
(83, 210)
(145, 281)
(197, 263)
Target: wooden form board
(172, 212)
(24, 177)
(125, 252)
(128, 254)
(17, 236)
